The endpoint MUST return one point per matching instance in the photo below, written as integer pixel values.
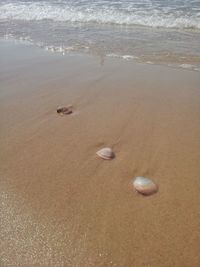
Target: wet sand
(61, 205)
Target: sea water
(152, 31)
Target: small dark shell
(64, 110)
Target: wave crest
(153, 18)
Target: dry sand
(63, 206)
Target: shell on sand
(145, 186)
(106, 153)
(64, 110)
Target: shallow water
(164, 32)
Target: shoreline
(63, 206)
(184, 62)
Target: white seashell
(145, 186)
(106, 153)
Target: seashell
(145, 186)
(106, 153)
(64, 110)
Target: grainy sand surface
(61, 205)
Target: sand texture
(60, 204)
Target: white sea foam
(129, 57)
(153, 17)
(125, 57)
(59, 49)
(187, 66)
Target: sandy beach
(61, 205)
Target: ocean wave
(35, 11)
